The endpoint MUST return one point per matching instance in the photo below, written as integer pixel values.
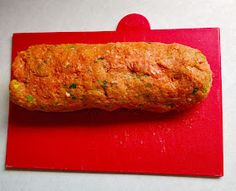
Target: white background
(84, 15)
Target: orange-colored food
(135, 75)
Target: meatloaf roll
(134, 75)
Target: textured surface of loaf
(137, 75)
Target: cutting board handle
(133, 22)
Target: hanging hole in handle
(133, 22)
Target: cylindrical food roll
(134, 75)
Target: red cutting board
(185, 143)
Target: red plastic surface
(186, 143)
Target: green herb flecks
(15, 84)
(195, 90)
(104, 84)
(71, 46)
(100, 58)
(73, 86)
(30, 98)
(204, 89)
(138, 75)
(196, 62)
(100, 82)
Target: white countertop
(84, 15)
